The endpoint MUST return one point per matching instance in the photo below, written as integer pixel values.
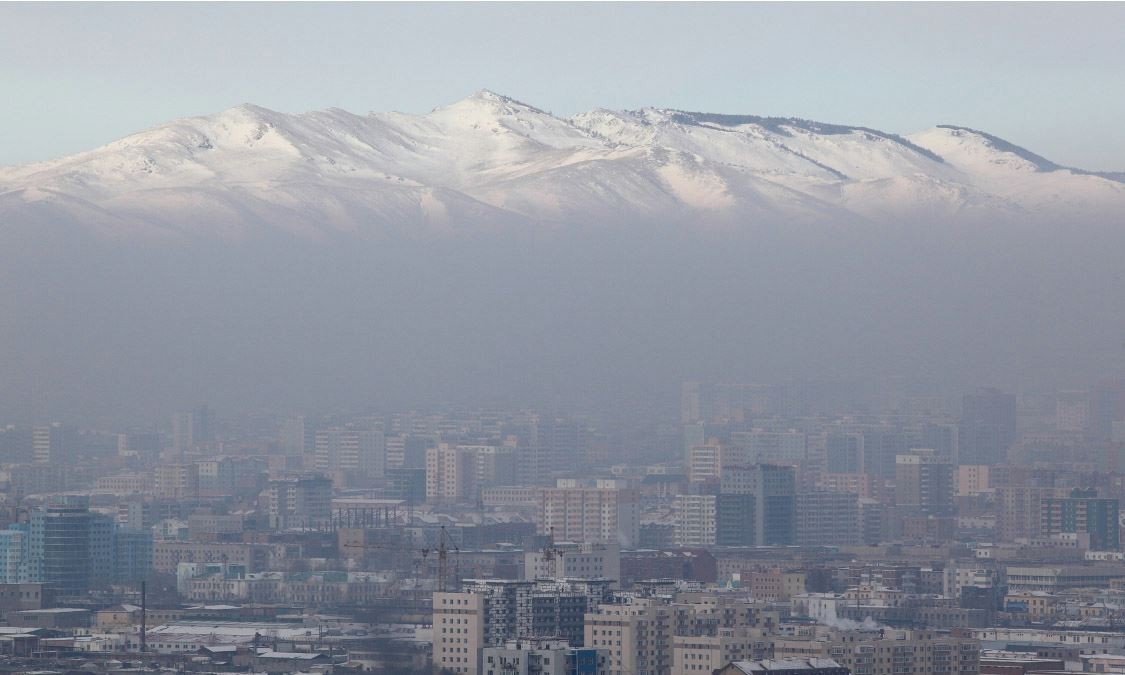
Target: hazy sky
(1045, 76)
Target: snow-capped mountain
(489, 161)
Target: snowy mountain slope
(490, 161)
(1021, 177)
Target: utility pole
(144, 617)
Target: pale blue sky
(1050, 77)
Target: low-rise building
(813, 666)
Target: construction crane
(550, 551)
(444, 546)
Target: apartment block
(887, 652)
(590, 514)
(636, 636)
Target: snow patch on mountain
(491, 161)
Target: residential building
(13, 556)
(1083, 513)
(590, 514)
(694, 517)
(774, 487)
(924, 483)
(565, 560)
(813, 666)
(355, 455)
(1053, 578)
(886, 652)
(827, 518)
(491, 612)
(304, 501)
(541, 657)
(844, 453)
(1072, 411)
(176, 481)
(704, 463)
(972, 479)
(772, 447)
(636, 635)
(734, 519)
(167, 555)
(711, 630)
(988, 427)
(451, 473)
(192, 430)
(52, 443)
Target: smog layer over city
(562, 338)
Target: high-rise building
(233, 476)
(1083, 512)
(772, 447)
(692, 403)
(694, 434)
(141, 444)
(16, 444)
(545, 446)
(734, 519)
(300, 502)
(776, 508)
(694, 516)
(52, 443)
(355, 455)
(414, 449)
(490, 612)
(774, 488)
(710, 631)
(972, 479)
(450, 473)
(406, 484)
(191, 430)
(1021, 510)
(1072, 411)
(924, 483)
(298, 436)
(1106, 406)
(590, 514)
(13, 556)
(132, 555)
(493, 465)
(70, 548)
(881, 444)
(704, 463)
(988, 427)
(940, 436)
(827, 518)
(844, 453)
(176, 481)
(872, 516)
(637, 635)
(737, 402)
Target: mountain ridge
(491, 160)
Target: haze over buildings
(662, 381)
